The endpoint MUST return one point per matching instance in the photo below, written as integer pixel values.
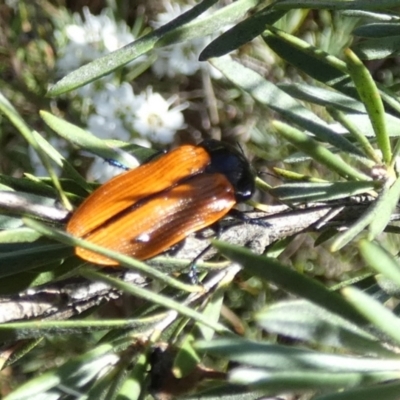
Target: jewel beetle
(145, 211)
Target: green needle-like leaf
(318, 152)
(372, 100)
(381, 317)
(284, 277)
(380, 260)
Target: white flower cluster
(119, 113)
(90, 38)
(113, 110)
(180, 58)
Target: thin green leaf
(30, 186)
(385, 206)
(85, 140)
(19, 235)
(385, 391)
(338, 5)
(205, 26)
(303, 380)
(356, 132)
(373, 16)
(9, 222)
(213, 311)
(381, 317)
(323, 97)
(390, 98)
(186, 359)
(270, 95)
(29, 329)
(17, 261)
(370, 96)
(378, 30)
(318, 152)
(156, 298)
(174, 31)
(289, 358)
(109, 384)
(22, 350)
(88, 364)
(380, 260)
(135, 381)
(320, 65)
(123, 260)
(303, 192)
(363, 123)
(395, 155)
(294, 176)
(315, 62)
(227, 392)
(241, 33)
(60, 160)
(48, 272)
(366, 218)
(291, 281)
(11, 113)
(302, 320)
(378, 49)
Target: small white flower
(116, 36)
(101, 30)
(77, 34)
(181, 58)
(91, 38)
(116, 102)
(116, 108)
(107, 128)
(155, 120)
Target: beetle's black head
(227, 160)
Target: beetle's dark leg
(241, 216)
(117, 164)
(193, 273)
(217, 228)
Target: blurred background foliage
(289, 61)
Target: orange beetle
(145, 211)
